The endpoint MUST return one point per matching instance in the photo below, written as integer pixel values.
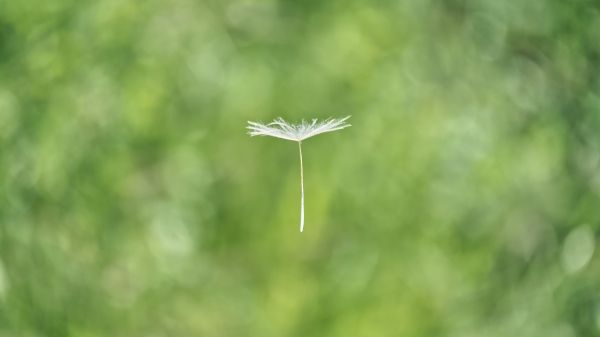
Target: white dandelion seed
(279, 128)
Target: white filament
(301, 189)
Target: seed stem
(301, 189)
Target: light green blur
(464, 201)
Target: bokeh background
(464, 200)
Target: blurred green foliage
(463, 202)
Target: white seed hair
(279, 128)
(296, 132)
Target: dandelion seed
(279, 128)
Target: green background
(464, 200)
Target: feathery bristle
(279, 128)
